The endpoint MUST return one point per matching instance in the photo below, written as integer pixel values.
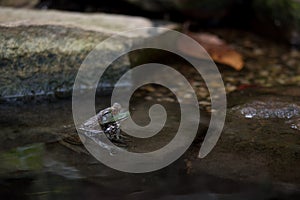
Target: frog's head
(116, 108)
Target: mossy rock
(41, 51)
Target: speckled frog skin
(109, 120)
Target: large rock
(41, 51)
(19, 3)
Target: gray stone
(41, 51)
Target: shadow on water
(34, 165)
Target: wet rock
(41, 51)
(269, 109)
(258, 142)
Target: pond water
(51, 171)
(40, 157)
(35, 165)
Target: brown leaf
(217, 49)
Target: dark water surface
(35, 165)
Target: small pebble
(149, 98)
(188, 96)
(204, 103)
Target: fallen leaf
(217, 49)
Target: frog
(109, 120)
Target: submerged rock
(22, 159)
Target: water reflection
(51, 171)
(34, 165)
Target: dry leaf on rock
(217, 49)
